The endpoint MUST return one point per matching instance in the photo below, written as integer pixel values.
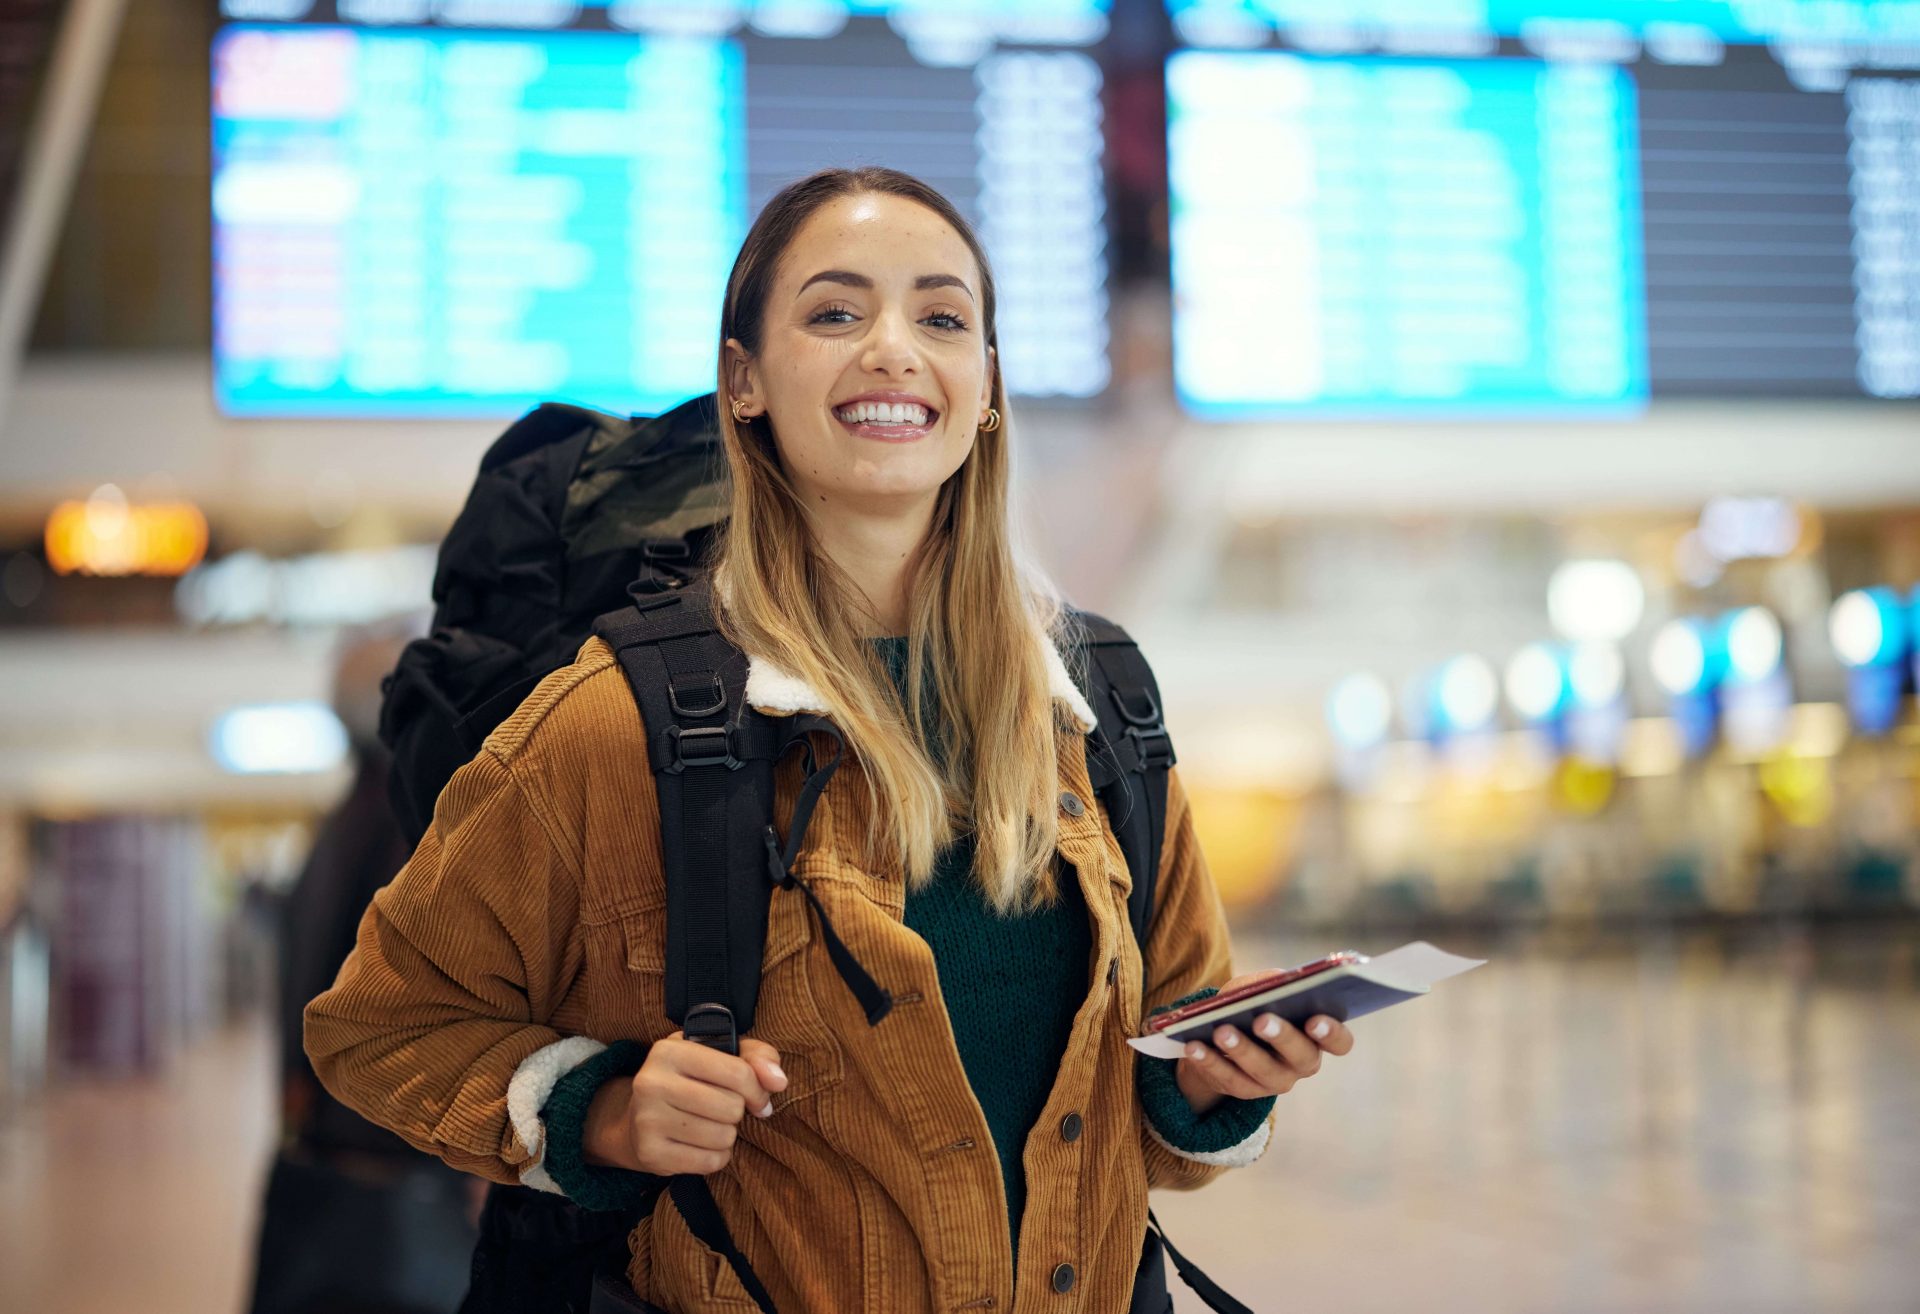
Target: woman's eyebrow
(852, 279)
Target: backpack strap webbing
(1128, 756)
(712, 760)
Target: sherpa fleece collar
(772, 688)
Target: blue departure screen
(468, 223)
(1359, 235)
(1494, 206)
(429, 219)
(1742, 21)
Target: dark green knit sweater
(986, 962)
(1011, 1054)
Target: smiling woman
(984, 1139)
(862, 377)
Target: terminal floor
(1691, 1122)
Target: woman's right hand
(680, 1113)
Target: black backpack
(582, 522)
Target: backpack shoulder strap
(712, 760)
(1128, 755)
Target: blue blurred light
(278, 738)
(1682, 657)
(1755, 645)
(1597, 675)
(1913, 628)
(1698, 716)
(1466, 695)
(1869, 627)
(1537, 683)
(1688, 661)
(1419, 714)
(1360, 711)
(1874, 696)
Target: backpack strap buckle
(1146, 729)
(1152, 746)
(712, 1025)
(1150, 717)
(705, 745)
(716, 700)
(666, 549)
(665, 564)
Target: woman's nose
(890, 345)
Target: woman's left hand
(1237, 1065)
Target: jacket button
(1070, 1127)
(1071, 802)
(1063, 1278)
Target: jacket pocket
(680, 1273)
(786, 1014)
(724, 1287)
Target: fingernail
(1197, 1052)
(766, 1112)
(778, 1073)
(1229, 1040)
(1269, 1027)
(1319, 1029)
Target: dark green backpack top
(570, 507)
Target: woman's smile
(887, 418)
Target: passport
(1347, 991)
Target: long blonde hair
(977, 616)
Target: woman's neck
(875, 552)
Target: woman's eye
(953, 323)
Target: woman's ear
(743, 385)
(986, 386)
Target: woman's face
(876, 297)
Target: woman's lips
(889, 433)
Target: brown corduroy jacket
(526, 933)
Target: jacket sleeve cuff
(591, 1186)
(1232, 1134)
(527, 1091)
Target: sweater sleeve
(1188, 954)
(564, 1117)
(1223, 1134)
(437, 1026)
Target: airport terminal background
(1498, 421)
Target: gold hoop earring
(738, 417)
(992, 421)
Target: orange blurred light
(1248, 835)
(107, 536)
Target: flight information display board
(468, 206)
(1413, 230)
(1380, 207)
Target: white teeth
(883, 413)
